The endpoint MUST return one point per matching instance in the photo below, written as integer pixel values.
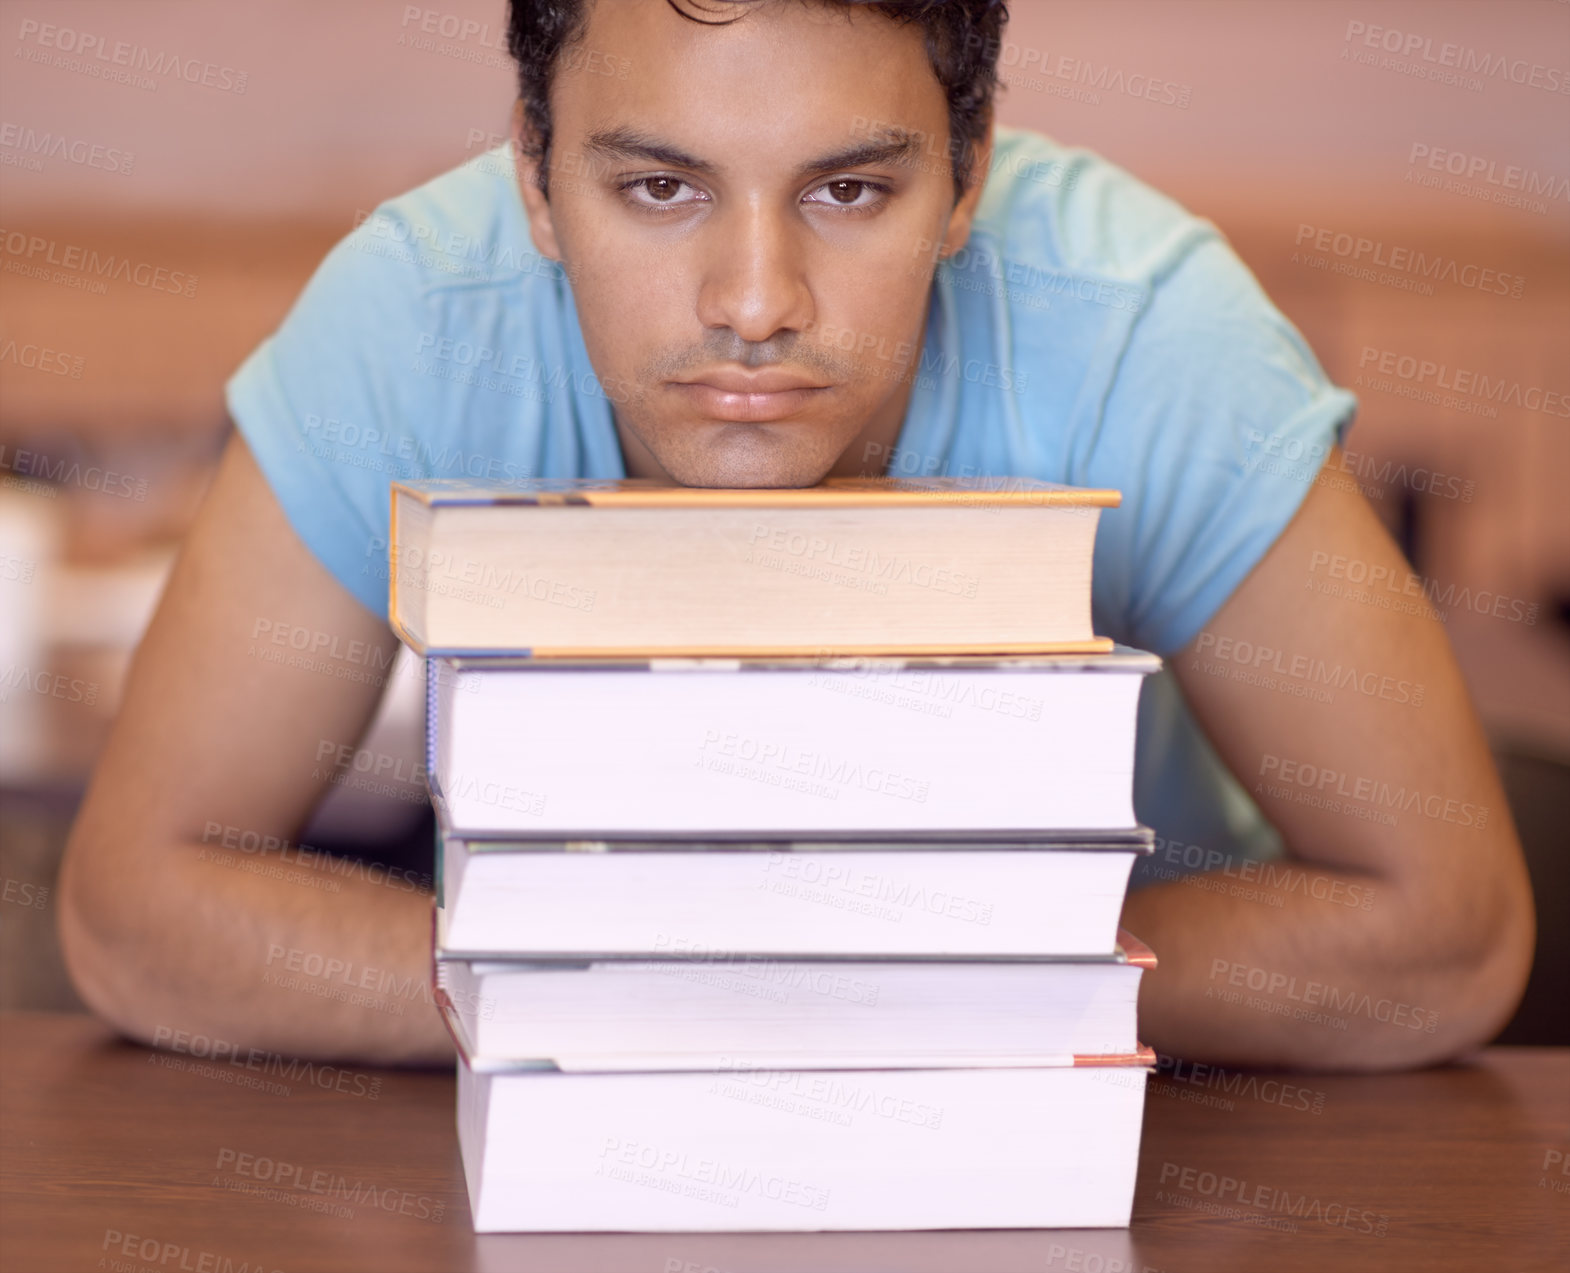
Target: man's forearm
(1299, 966)
(298, 959)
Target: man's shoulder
(1067, 208)
(463, 228)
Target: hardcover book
(781, 749)
(553, 569)
(695, 1010)
(1027, 1147)
(919, 898)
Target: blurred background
(220, 158)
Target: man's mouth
(771, 393)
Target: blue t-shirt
(1091, 332)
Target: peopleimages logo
(859, 559)
(1417, 55)
(330, 1078)
(1318, 783)
(668, 1168)
(295, 1181)
(823, 1094)
(32, 145)
(248, 844)
(1211, 870)
(1279, 1204)
(30, 255)
(149, 1253)
(1479, 177)
(1378, 583)
(1311, 994)
(772, 761)
(875, 886)
(1257, 1087)
(51, 362)
(1425, 374)
(94, 56)
(1036, 68)
(1356, 255)
(1305, 669)
(57, 472)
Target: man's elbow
(1487, 964)
(104, 958)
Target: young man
(756, 244)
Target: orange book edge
(883, 650)
(834, 493)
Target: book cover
(918, 566)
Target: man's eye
(651, 192)
(847, 193)
(669, 192)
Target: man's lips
(748, 399)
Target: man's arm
(1400, 929)
(161, 931)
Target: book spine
(433, 676)
(437, 991)
(394, 619)
(438, 870)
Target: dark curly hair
(963, 38)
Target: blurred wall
(346, 101)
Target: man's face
(752, 291)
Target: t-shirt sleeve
(313, 399)
(1214, 426)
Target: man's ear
(541, 228)
(964, 213)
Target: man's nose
(754, 278)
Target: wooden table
(117, 1158)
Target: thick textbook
(748, 1011)
(551, 569)
(929, 897)
(1015, 1148)
(784, 748)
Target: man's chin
(738, 456)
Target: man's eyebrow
(896, 146)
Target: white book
(756, 1013)
(787, 747)
(673, 899)
(1019, 1148)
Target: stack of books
(783, 840)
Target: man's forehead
(799, 63)
(772, 19)
(875, 144)
(794, 76)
